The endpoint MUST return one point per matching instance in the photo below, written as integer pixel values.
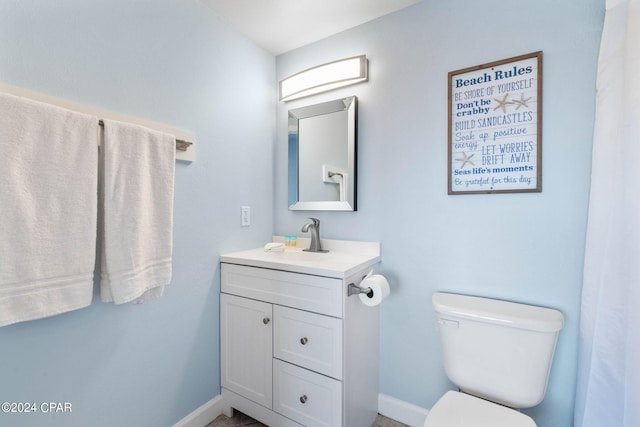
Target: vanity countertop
(343, 259)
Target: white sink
(343, 258)
(299, 255)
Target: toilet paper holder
(354, 289)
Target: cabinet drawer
(310, 340)
(312, 293)
(306, 397)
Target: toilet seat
(456, 409)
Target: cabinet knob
(303, 398)
(303, 340)
(266, 320)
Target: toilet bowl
(499, 354)
(456, 409)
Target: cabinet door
(246, 348)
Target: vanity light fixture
(324, 77)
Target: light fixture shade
(324, 77)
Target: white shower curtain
(608, 389)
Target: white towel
(48, 209)
(137, 229)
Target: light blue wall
(524, 247)
(169, 61)
(172, 61)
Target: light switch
(245, 220)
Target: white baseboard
(399, 410)
(204, 414)
(396, 409)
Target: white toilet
(499, 354)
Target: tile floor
(239, 419)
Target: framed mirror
(322, 156)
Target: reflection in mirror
(322, 156)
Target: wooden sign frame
(495, 127)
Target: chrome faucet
(314, 227)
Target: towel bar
(181, 145)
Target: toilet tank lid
(506, 313)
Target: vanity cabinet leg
(227, 411)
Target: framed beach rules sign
(495, 127)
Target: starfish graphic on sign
(522, 102)
(465, 159)
(502, 103)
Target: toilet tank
(498, 350)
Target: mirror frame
(348, 104)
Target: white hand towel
(137, 229)
(48, 209)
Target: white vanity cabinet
(296, 350)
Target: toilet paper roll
(379, 287)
